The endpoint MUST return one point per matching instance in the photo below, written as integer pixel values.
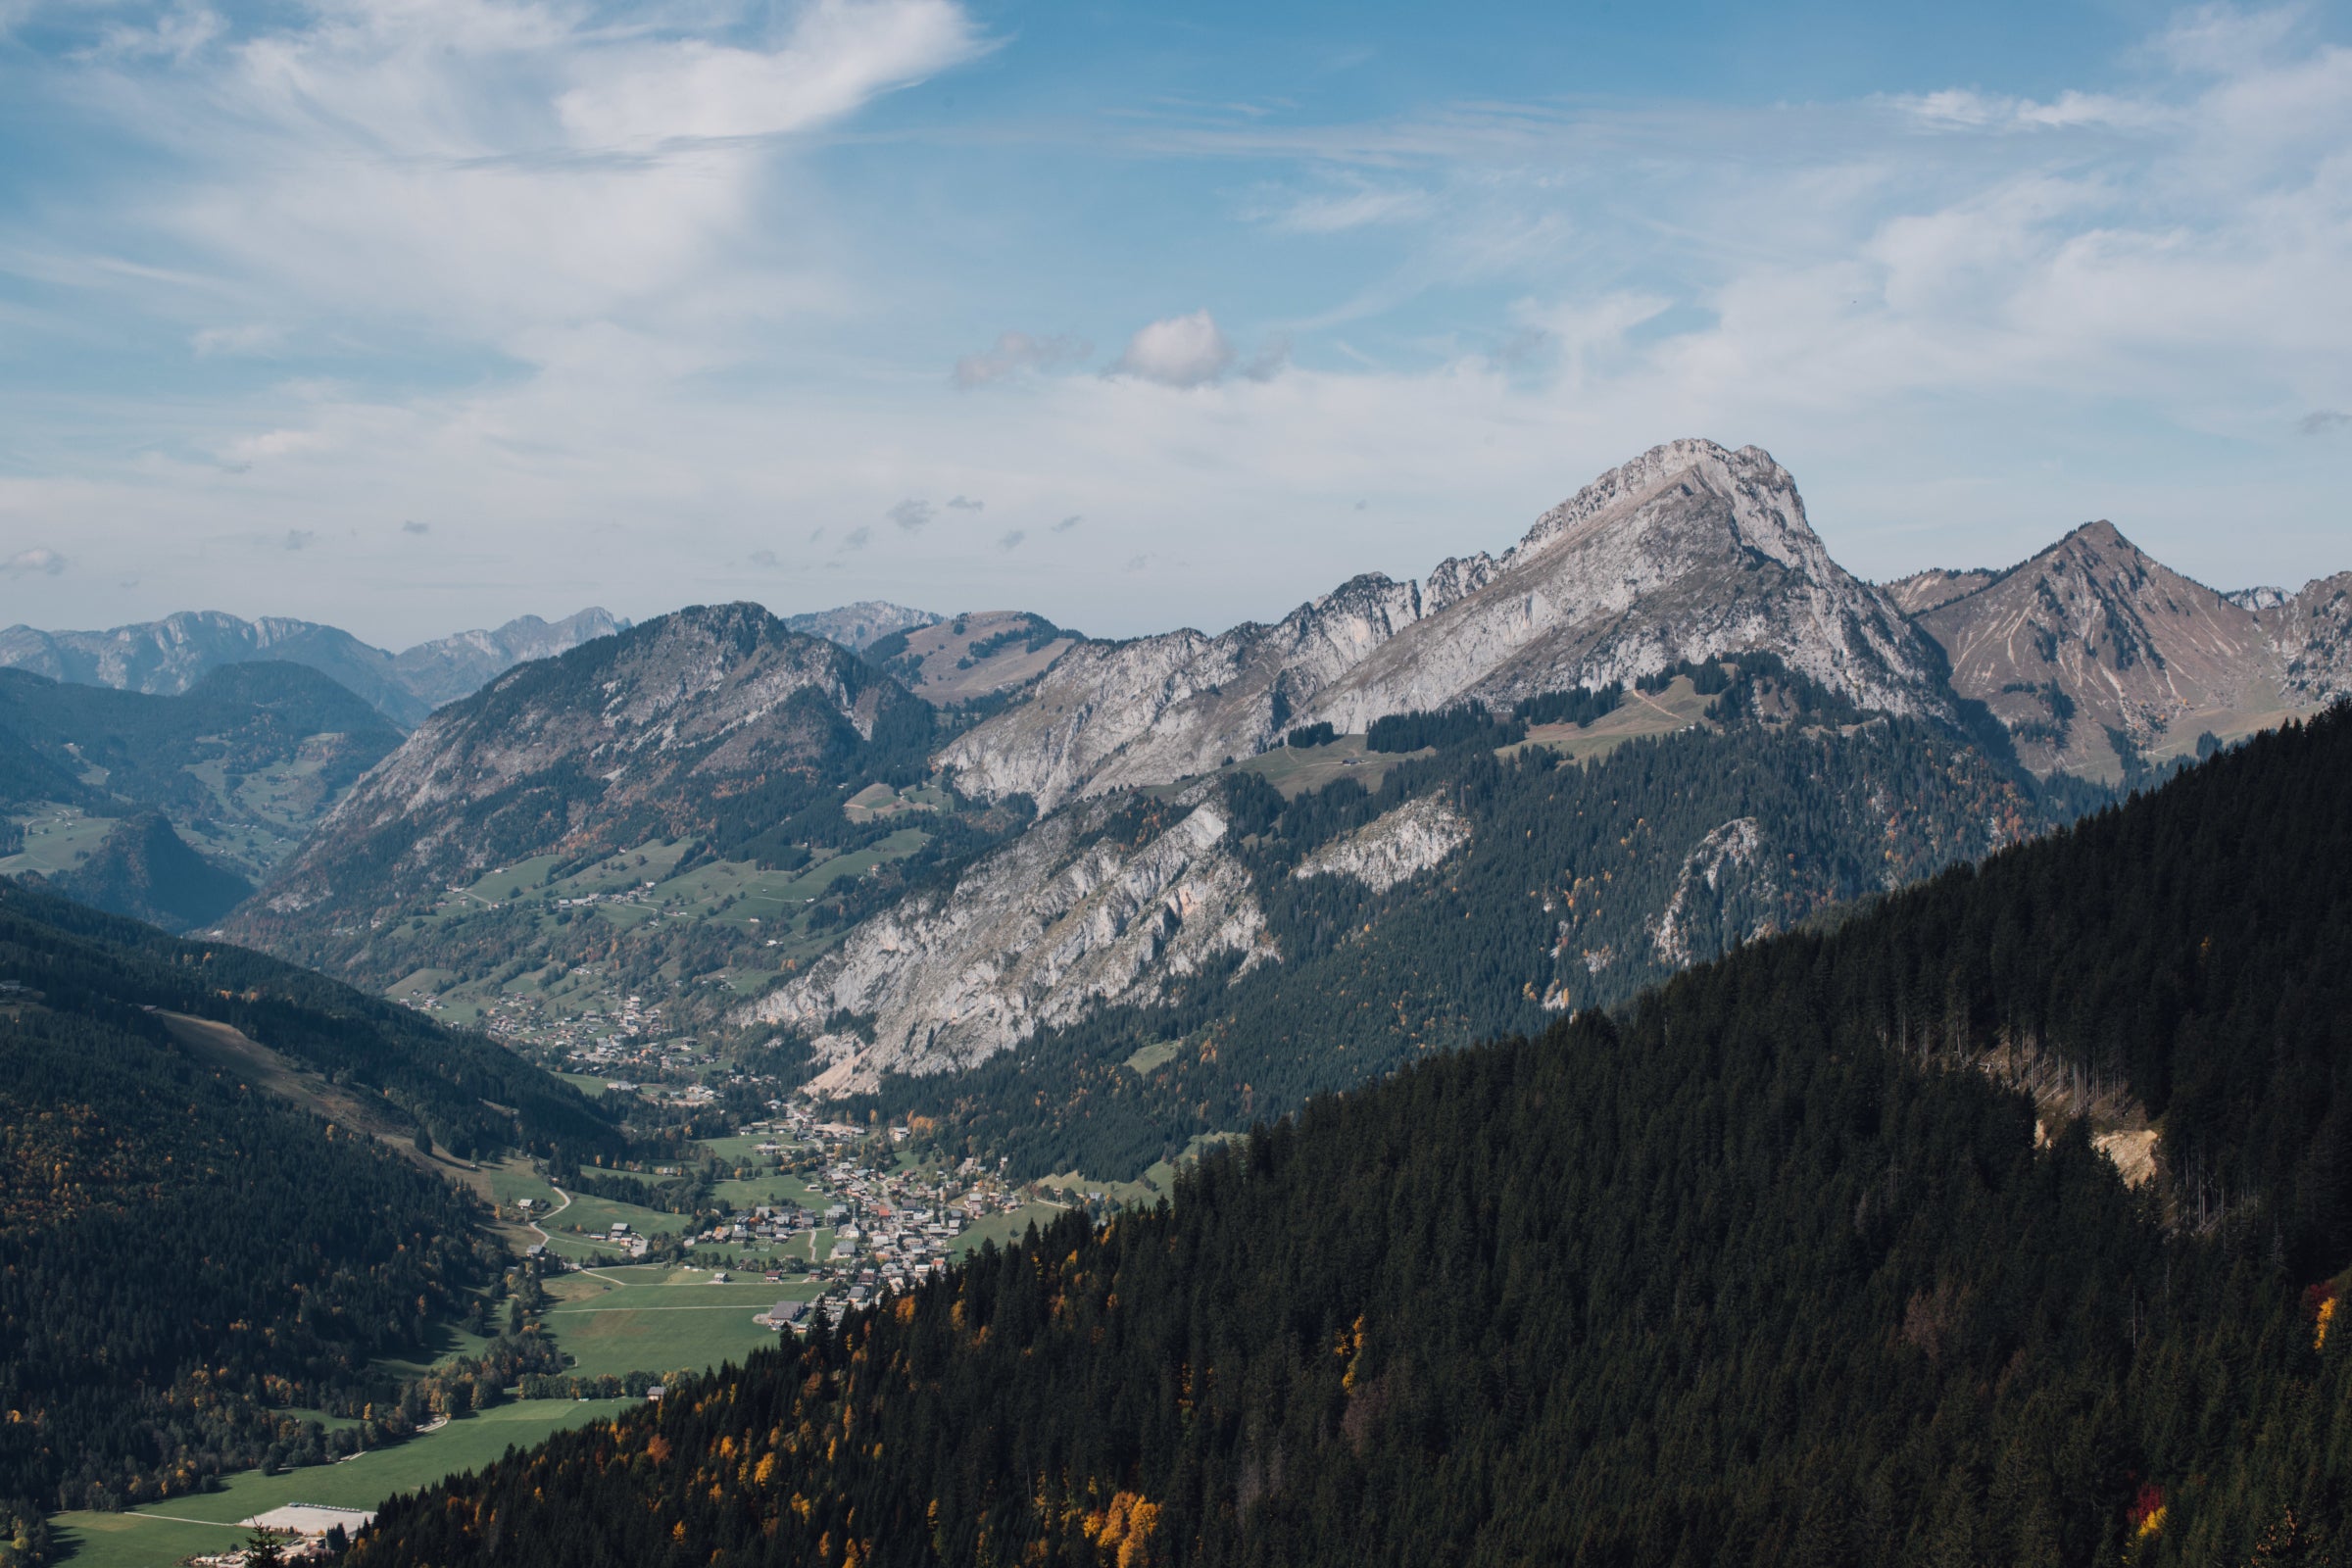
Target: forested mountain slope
(714, 722)
(1139, 970)
(144, 869)
(472, 1097)
(1767, 1269)
(182, 1256)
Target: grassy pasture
(167, 1532)
(661, 1319)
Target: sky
(410, 315)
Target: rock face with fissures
(1688, 550)
(1099, 905)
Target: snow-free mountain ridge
(168, 656)
(1690, 549)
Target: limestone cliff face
(1107, 716)
(1067, 919)
(2311, 634)
(1393, 848)
(1688, 550)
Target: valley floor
(162, 1535)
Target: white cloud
(965, 504)
(1069, 523)
(506, 171)
(1964, 108)
(837, 55)
(1358, 207)
(911, 514)
(1011, 539)
(38, 561)
(1182, 351)
(1013, 352)
(412, 526)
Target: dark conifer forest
(1776, 1265)
(185, 1258)
(1554, 904)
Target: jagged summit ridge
(1687, 549)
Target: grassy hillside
(469, 1094)
(1782, 1266)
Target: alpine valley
(1641, 1049)
(1073, 905)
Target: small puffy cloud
(1015, 351)
(911, 514)
(297, 538)
(1013, 539)
(1069, 523)
(38, 561)
(766, 560)
(816, 536)
(1136, 564)
(2323, 421)
(1180, 351)
(412, 526)
(966, 504)
(855, 538)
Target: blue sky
(413, 315)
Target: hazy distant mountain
(1688, 550)
(170, 655)
(861, 625)
(246, 760)
(450, 667)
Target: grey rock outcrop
(1393, 847)
(1688, 550)
(1064, 920)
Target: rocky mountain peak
(654, 729)
(1690, 549)
(2094, 639)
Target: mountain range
(977, 865)
(942, 854)
(1818, 1255)
(170, 655)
